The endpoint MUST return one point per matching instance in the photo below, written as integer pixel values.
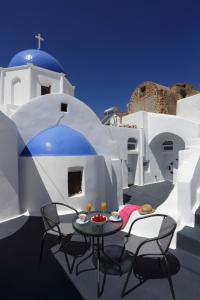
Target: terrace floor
(22, 277)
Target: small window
(146, 165)
(168, 146)
(74, 182)
(132, 144)
(45, 90)
(63, 107)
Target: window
(45, 89)
(74, 182)
(63, 107)
(146, 165)
(168, 146)
(132, 144)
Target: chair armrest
(145, 217)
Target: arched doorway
(165, 148)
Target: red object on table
(99, 218)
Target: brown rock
(153, 97)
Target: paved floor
(154, 194)
(21, 277)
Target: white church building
(53, 147)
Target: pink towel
(126, 211)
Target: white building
(54, 147)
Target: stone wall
(153, 97)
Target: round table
(97, 232)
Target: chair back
(166, 232)
(50, 216)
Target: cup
(82, 217)
(115, 215)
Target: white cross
(40, 39)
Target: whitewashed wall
(189, 108)
(20, 84)
(45, 179)
(44, 112)
(121, 136)
(9, 202)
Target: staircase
(188, 239)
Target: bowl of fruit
(99, 219)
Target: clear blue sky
(108, 47)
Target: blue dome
(58, 141)
(38, 58)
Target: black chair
(53, 225)
(144, 248)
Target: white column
(1, 86)
(61, 83)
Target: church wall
(44, 112)
(40, 77)
(45, 179)
(9, 201)
(16, 95)
(67, 87)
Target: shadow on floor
(154, 194)
(21, 275)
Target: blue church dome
(38, 58)
(58, 141)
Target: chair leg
(126, 282)
(42, 247)
(70, 268)
(169, 277)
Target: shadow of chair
(151, 252)
(71, 243)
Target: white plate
(113, 219)
(81, 222)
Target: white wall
(44, 112)
(57, 81)
(157, 128)
(23, 93)
(189, 108)
(20, 84)
(9, 201)
(45, 179)
(121, 136)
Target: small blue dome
(38, 58)
(58, 141)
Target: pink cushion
(126, 211)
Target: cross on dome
(40, 39)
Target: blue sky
(109, 47)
